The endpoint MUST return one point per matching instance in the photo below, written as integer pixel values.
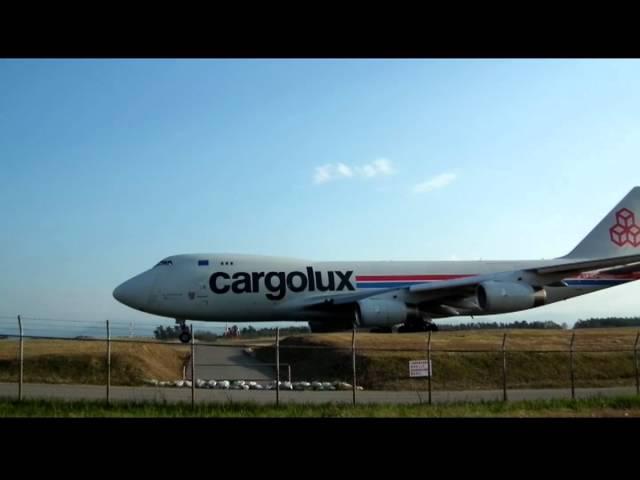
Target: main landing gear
(424, 324)
(413, 324)
(185, 335)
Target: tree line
(501, 325)
(608, 322)
(173, 332)
(588, 323)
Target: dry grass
(382, 359)
(465, 360)
(539, 340)
(72, 361)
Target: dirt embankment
(84, 362)
(464, 360)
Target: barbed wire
(124, 339)
(111, 319)
(68, 328)
(68, 320)
(126, 328)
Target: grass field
(535, 358)
(594, 407)
(73, 361)
(601, 339)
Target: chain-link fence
(107, 362)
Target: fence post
(573, 389)
(504, 368)
(429, 364)
(193, 368)
(353, 362)
(635, 361)
(21, 361)
(108, 363)
(278, 366)
(289, 370)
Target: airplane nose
(135, 291)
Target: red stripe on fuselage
(406, 278)
(410, 278)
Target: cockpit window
(164, 262)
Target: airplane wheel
(185, 337)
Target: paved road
(93, 392)
(230, 363)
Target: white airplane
(382, 294)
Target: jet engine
(384, 313)
(504, 297)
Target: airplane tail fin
(617, 234)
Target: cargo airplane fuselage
(381, 294)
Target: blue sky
(107, 166)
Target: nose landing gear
(185, 335)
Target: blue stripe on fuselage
(595, 282)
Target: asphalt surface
(173, 394)
(230, 363)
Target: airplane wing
(587, 265)
(632, 268)
(461, 287)
(553, 272)
(329, 300)
(447, 287)
(442, 289)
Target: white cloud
(344, 170)
(330, 171)
(439, 181)
(384, 166)
(381, 166)
(323, 174)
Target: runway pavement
(230, 363)
(172, 395)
